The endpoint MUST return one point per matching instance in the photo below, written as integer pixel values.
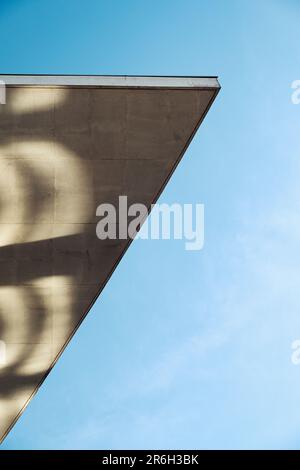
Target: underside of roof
(68, 144)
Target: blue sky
(185, 349)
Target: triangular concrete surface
(67, 144)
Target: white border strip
(110, 81)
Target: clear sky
(185, 349)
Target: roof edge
(111, 81)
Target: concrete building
(67, 144)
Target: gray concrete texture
(64, 150)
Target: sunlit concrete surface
(68, 144)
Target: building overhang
(67, 144)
